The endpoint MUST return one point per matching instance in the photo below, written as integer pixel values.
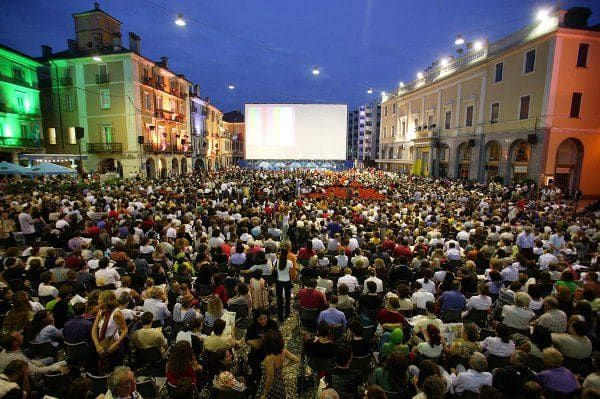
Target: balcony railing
(19, 142)
(148, 80)
(18, 80)
(6, 109)
(158, 148)
(66, 81)
(102, 78)
(104, 147)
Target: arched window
(522, 152)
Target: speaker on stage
(140, 139)
(79, 133)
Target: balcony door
(106, 133)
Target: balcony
(9, 110)
(104, 147)
(102, 78)
(159, 148)
(17, 80)
(147, 80)
(19, 142)
(66, 81)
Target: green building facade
(20, 116)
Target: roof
(96, 10)
(233, 117)
(12, 50)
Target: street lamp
(478, 45)
(370, 91)
(96, 58)
(542, 15)
(231, 86)
(419, 75)
(180, 21)
(316, 71)
(459, 40)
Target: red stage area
(348, 192)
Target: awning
(52, 157)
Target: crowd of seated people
(190, 286)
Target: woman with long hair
(272, 384)
(392, 376)
(108, 331)
(283, 267)
(432, 348)
(21, 313)
(182, 363)
(42, 329)
(214, 311)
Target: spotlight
(542, 15)
(444, 62)
(315, 71)
(96, 58)
(231, 86)
(419, 75)
(180, 21)
(401, 84)
(478, 45)
(370, 91)
(459, 40)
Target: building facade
(218, 153)
(198, 115)
(524, 107)
(134, 112)
(20, 117)
(362, 145)
(235, 128)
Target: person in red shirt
(389, 317)
(219, 289)
(402, 250)
(388, 244)
(310, 297)
(182, 364)
(306, 252)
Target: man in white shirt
(26, 223)
(373, 277)
(421, 297)
(473, 379)
(547, 259)
(453, 253)
(348, 279)
(317, 244)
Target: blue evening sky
(267, 48)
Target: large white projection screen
(296, 131)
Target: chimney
(72, 45)
(134, 42)
(164, 61)
(117, 42)
(577, 18)
(46, 51)
(96, 6)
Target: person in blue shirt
(453, 299)
(332, 315)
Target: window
(498, 72)
(106, 132)
(393, 109)
(403, 128)
(385, 111)
(52, 135)
(393, 130)
(103, 70)
(384, 131)
(69, 102)
(495, 112)
(105, 98)
(72, 136)
(469, 116)
(24, 131)
(524, 107)
(575, 105)
(147, 101)
(582, 55)
(20, 100)
(447, 120)
(529, 61)
(416, 122)
(430, 120)
(159, 102)
(17, 73)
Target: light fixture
(315, 71)
(231, 86)
(478, 45)
(444, 62)
(542, 14)
(180, 21)
(419, 75)
(370, 91)
(96, 58)
(459, 40)
(383, 93)
(401, 84)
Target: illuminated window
(72, 137)
(70, 102)
(147, 101)
(20, 96)
(105, 98)
(18, 73)
(52, 135)
(106, 132)
(24, 131)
